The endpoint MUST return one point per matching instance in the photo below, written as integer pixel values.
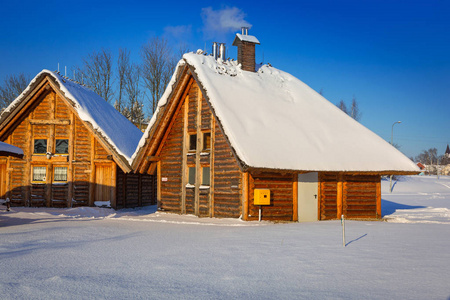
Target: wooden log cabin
(228, 136)
(77, 149)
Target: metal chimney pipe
(215, 50)
(222, 51)
(244, 30)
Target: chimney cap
(245, 38)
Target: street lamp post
(392, 143)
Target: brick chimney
(246, 49)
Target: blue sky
(393, 56)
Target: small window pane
(40, 146)
(39, 173)
(191, 175)
(60, 174)
(207, 141)
(206, 176)
(193, 142)
(62, 146)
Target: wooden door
(308, 190)
(103, 183)
(2, 181)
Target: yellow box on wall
(262, 197)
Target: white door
(307, 197)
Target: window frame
(205, 135)
(207, 177)
(189, 169)
(34, 146)
(33, 174)
(192, 138)
(54, 174)
(62, 139)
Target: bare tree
(135, 112)
(12, 87)
(123, 68)
(157, 67)
(353, 112)
(342, 106)
(97, 73)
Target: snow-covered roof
(116, 130)
(7, 149)
(273, 120)
(245, 38)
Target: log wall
(354, 196)
(281, 196)
(135, 189)
(227, 179)
(171, 163)
(360, 196)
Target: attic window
(62, 146)
(192, 142)
(207, 141)
(40, 146)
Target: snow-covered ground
(86, 253)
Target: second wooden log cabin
(77, 149)
(225, 130)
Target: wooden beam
(49, 122)
(295, 197)
(211, 167)
(92, 174)
(71, 158)
(245, 196)
(113, 185)
(153, 158)
(378, 201)
(339, 197)
(198, 168)
(184, 172)
(319, 195)
(158, 185)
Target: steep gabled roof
(117, 132)
(272, 120)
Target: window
(192, 142)
(60, 174)
(39, 173)
(191, 175)
(62, 146)
(40, 146)
(207, 141)
(206, 176)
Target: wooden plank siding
(360, 196)
(171, 165)
(51, 117)
(281, 206)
